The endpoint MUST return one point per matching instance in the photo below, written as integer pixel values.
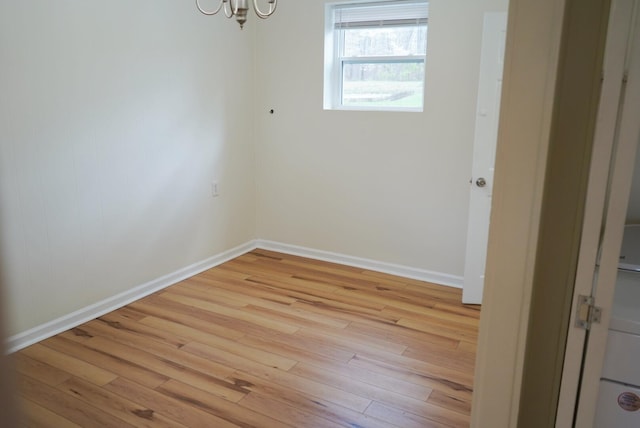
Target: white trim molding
(374, 265)
(74, 319)
(88, 313)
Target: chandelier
(239, 9)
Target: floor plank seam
(265, 339)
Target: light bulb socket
(241, 17)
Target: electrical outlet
(214, 189)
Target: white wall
(392, 187)
(114, 119)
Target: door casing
(516, 362)
(603, 152)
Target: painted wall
(114, 120)
(388, 186)
(633, 211)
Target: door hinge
(587, 312)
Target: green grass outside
(383, 94)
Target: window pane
(383, 84)
(392, 41)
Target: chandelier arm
(272, 8)
(231, 11)
(206, 12)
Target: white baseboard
(374, 265)
(44, 331)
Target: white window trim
(333, 62)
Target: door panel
(484, 153)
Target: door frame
(531, 97)
(628, 134)
(534, 31)
(601, 164)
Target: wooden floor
(265, 340)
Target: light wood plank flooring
(265, 340)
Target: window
(375, 55)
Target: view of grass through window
(384, 66)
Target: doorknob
(481, 182)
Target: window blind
(381, 14)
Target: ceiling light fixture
(239, 9)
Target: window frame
(335, 59)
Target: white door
(484, 153)
(613, 158)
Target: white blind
(380, 14)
